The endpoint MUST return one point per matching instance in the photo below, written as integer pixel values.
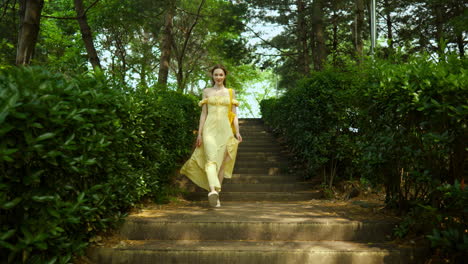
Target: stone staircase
(266, 217)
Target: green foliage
(412, 124)
(446, 221)
(317, 122)
(399, 123)
(75, 154)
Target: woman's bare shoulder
(207, 91)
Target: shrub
(402, 124)
(444, 222)
(316, 119)
(413, 128)
(75, 154)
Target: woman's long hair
(219, 66)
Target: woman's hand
(239, 137)
(199, 140)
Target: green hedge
(384, 122)
(76, 153)
(403, 124)
(316, 120)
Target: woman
(213, 159)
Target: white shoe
(218, 203)
(213, 198)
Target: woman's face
(219, 76)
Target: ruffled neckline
(204, 101)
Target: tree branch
(5, 6)
(190, 31)
(278, 55)
(283, 53)
(74, 18)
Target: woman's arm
(203, 115)
(236, 120)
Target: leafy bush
(399, 123)
(316, 118)
(413, 126)
(75, 154)
(444, 222)
(403, 124)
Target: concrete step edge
(258, 196)
(145, 228)
(258, 252)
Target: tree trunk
(459, 35)
(166, 46)
(180, 79)
(30, 19)
(335, 38)
(461, 45)
(389, 24)
(86, 34)
(359, 20)
(319, 35)
(439, 25)
(304, 60)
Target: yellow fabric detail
(202, 102)
(231, 114)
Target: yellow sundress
(203, 166)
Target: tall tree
(319, 35)
(358, 27)
(86, 33)
(166, 44)
(30, 19)
(387, 8)
(303, 47)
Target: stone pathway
(267, 216)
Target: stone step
(252, 126)
(253, 132)
(258, 159)
(250, 155)
(258, 138)
(256, 153)
(260, 147)
(153, 228)
(250, 132)
(250, 120)
(258, 252)
(258, 135)
(261, 166)
(261, 132)
(264, 154)
(243, 126)
(260, 178)
(293, 221)
(258, 141)
(258, 196)
(239, 165)
(267, 187)
(267, 170)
